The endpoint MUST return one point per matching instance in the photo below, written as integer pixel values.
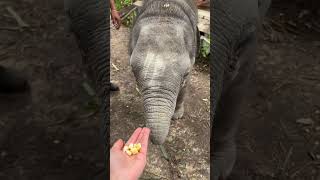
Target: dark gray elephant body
(89, 22)
(163, 47)
(234, 27)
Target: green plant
(128, 21)
(205, 46)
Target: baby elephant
(163, 47)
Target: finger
(117, 26)
(144, 140)
(117, 145)
(140, 135)
(118, 22)
(134, 136)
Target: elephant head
(163, 46)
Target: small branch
(117, 69)
(286, 161)
(20, 22)
(137, 89)
(88, 89)
(10, 28)
(127, 14)
(300, 169)
(164, 152)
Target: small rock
(303, 13)
(305, 121)
(178, 157)
(318, 156)
(56, 141)
(318, 128)
(70, 156)
(308, 25)
(4, 154)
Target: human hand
(203, 3)
(116, 20)
(124, 167)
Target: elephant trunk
(159, 106)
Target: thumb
(117, 145)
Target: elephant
(89, 21)
(163, 47)
(234, 26)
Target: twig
(286, 161)
(137, 89)
(20, 22)
(88, 88)
(117, 69)
(205, 39)
(300, 169)
(284, 128)
(279, 86)
(126, 15)
(164, 152)
(10, 28)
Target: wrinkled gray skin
(163, 47)
(234, 27)
(89, 21)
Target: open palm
(127, 167)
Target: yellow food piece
(125, 148)
(132, 149)
(138, 146)
(130, 145)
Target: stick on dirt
(164, 152)
(117, 69)
(15, 15)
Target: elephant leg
(228, 111)
(179, 110)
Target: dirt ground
(279, 132)
(47, 133)
(52, 132)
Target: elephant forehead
(162, 30)
(158, 66)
